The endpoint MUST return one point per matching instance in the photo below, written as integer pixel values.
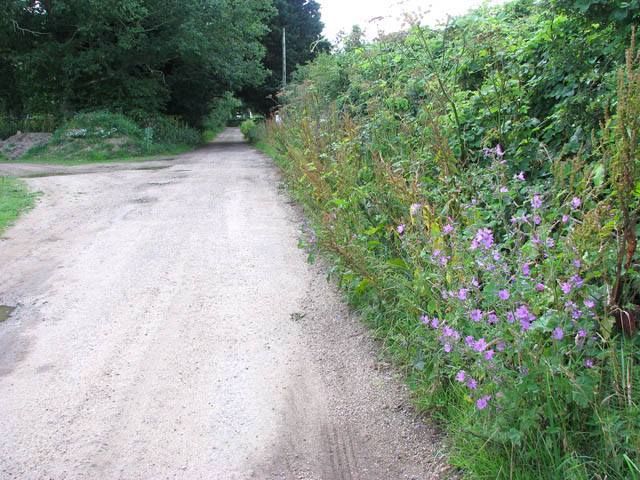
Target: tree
(136, 56)
(301, 19)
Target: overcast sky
(388, 14)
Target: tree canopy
(135, 56)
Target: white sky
(343, 14)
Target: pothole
(5, 312)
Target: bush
(171, 131)
(254, 130)
(99, 125)
(246, 127)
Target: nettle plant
(520, 318)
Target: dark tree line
(144, 56)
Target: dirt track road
(169, 327)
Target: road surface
(167, 326)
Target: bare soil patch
(17, 145)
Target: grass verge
(15, 198)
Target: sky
(387, 15)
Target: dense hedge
(477, 188)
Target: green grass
(14, 199)
(99, 157)
(265, 147)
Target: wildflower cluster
(513, 293)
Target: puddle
(5, 312)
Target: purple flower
(448, 331)
(501, 346)
(401, 228)
(524, 325)
(414, 208)
(536, 202)
(504, 190)
(447, 347)
(577, 263)
(487, 151)
(469, 340)
(484, 236)
(480, 345)
(472, 384)
(519, 176)
(435, 322)
(575, 202)
(576, 314)
(462, 293)
(588, 363)
(476, 315)
(488, 355)
(424, 319)
(558, 333)
(582, 333)
(460, 376)
(577, 281)
(526, 270)
(522, 312)
(566, 287)
(492, 318)
(482, 402)
(510, 317)
(504, 294)
(565, 218)
(499, 395)
(443, 260)
(550, 242)
(448, 228)
(589, 304)
(540, 287)
(499, 151)
(537, 220)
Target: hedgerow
(477, 189)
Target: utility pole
(284, 57)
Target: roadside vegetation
(14, 199)
(477, 189)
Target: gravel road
(167, 326)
